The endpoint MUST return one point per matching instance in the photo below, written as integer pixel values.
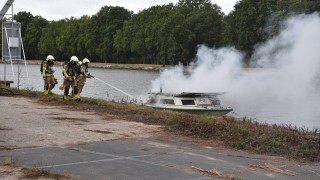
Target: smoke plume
(283, 87)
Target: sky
(61, 9)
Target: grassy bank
(287, 141)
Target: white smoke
(206, 73)
(284, 89)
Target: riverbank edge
(145, 67)
(299, 144)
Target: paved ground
(99, 148)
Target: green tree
(166, 34)
(204, 20)
(25, 18)
(83, 35)
(255, 21)
(206, 24)
(48, 43)
(155, 35)
(32, 37)
(193, 4)
(289, 7)
(67, 38)
(103, 27)
(140, 35)
(244, 26)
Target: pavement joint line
(115, 156)
(133, 158)
(162, 145)
(77, 163)
(105, 160)
(92, 152)
(314, 172)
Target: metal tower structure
(12, 44)
(5, 8)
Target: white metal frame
(2, 14)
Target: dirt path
(24, 123)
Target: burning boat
(188, 102)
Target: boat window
(187, 102)
(167, 101)
(203, 101)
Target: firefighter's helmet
(85, 60)
(74, 59)
(50, 57)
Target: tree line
(166, 34)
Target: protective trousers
(71, 82)
(49, 83)
(80, 82)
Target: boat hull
(211, 111)
(201, 103)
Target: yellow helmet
(50, 57)
(74, 58)
(85, 60)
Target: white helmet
(74, 58)
(50, 57)
(85, 60)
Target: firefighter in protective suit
(64, 66)
(69, 74)
(48, 70)
(83, 73)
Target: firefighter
(83, 74)
(70, 73)
(86, 63)
(47, 69)
(64, 67)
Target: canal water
(120, 85)
(109, 84)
